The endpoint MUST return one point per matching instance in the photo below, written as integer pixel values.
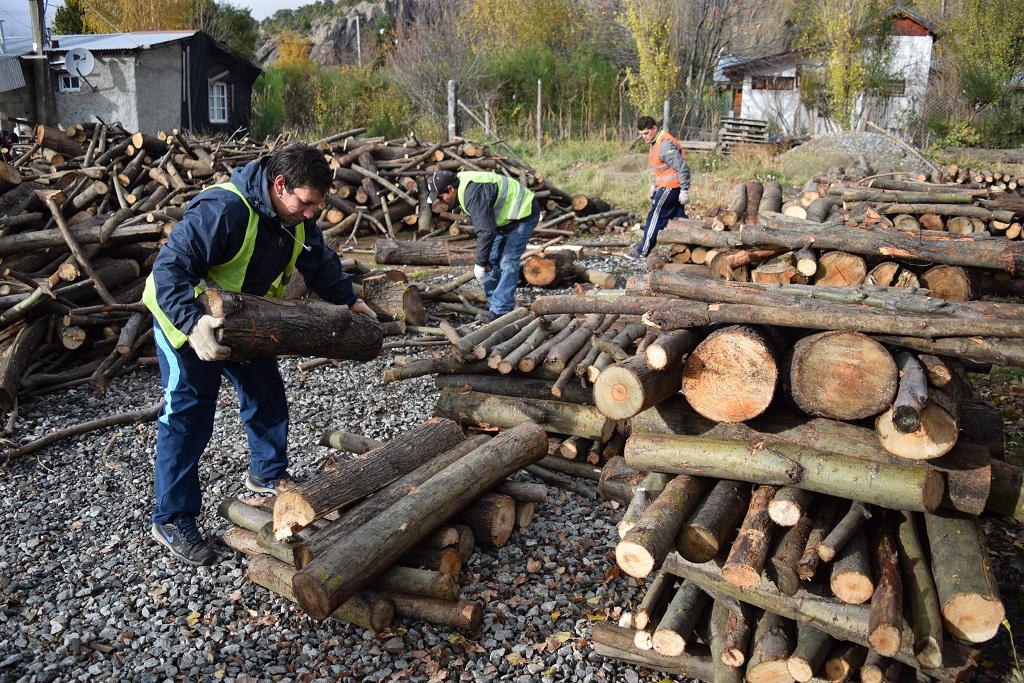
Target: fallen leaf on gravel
(192, 619)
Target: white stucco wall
(111, 97)
(158, 90)
(911, 61)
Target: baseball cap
(438, 183)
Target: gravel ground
(843, 149)
(87, 595)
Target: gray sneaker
(257, 485)
(183, 539)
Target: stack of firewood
(84, 210)
(388, 532)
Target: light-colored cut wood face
(731, 376)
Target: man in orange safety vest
(671, 183)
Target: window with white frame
(69, 83)
(218, 95)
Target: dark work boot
(183, 539)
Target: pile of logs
(84, 210)
(386, 533)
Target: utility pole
(41, 65)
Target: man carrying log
(504, 214)
(670, 186)
(247, 235)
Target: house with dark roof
(767, 87)
(148, 81)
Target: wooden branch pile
(783, 251)
(386, 534)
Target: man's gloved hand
(479, 272)
(650, 193)
(684, 196)
(360, 307)
(203, 339)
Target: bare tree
(431, 50)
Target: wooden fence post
(539, 133)
(453, 113)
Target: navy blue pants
(664, 206)
(506, 250)
(185, 425)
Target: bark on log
(844, 530)
(879, 669)
(737, 206)
(850, 578)
(784, 568)
(788, 505)
(842, 375)
(812, 648)
(925, 615)
(670, 347)
(15, 353)
(755, 191)
(912, 396)
(333, 577)
(771, 199)
(392, 300)
(353, 479)
(889, 485)
(474, 408)
(58, 141)
(420, 253)
(366, 609)
(772, 644)
(748, 554)
(618, 480)
(646, 491)
(936, 434)
(647, 543)
(704, 535)
(616, 642)
(1007, 495)
(463, 615)
(546, 270)
(966, 586)
(446, 561)
(732, 374)
(885, 620)
(630, 387)
(652, 604)
(492, 519)
(844, 661)
(254, 326)
(517, 387)
(680, 618)
(349, 442)
(934, 247)
(723, 672)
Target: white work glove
(360, 306)
(203, 339)
(479, 272)
(684, 196)
(650, 193)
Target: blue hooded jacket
(211, 233)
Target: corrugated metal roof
(116, 41)
(16, 46)
(11, 76)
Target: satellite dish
(79, 61)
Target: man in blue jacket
(504, 214)
(247, 235)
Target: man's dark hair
(301, 166)
(645, 122)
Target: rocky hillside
(334, 37)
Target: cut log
(643, 496)
(755, 192)
(844, 661)
(443, 560)
(737, 206)
(925, 615)
(806, 261)
(462, 615)
(652, 604)
(879, 669)
(842, 375)
(936, 435)
(966, 585)
(1007, 495)
(885, 620)
(812, 648)
(840, 269)
(750, 551)
(723, 672)
(704, 535)
(912, 396)
(771, 199)
(492, 519)
(516, 387)
(850, 578)
(598, 278)
(680, 618)
(381, 500)
(819, 209)
(736, 636)
(58, 141)
(574, 447)
(337, 574)
(951, 283)
(546, 270)
(732, 374)
(788, 505)
(421, 253)
(478, 409)
(618, 480)
(16, 352)
(643, 548)
(627, 388)
(254, 327)
(770, 649)
(367, 609)
(616, 642)
(784, 567)
(349, 442)
(890, 485)
(669, 348)
(780, 270)
(847, 527)
(392, 300)
(585, 206)
(353, 479)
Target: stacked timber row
(386, 534)
(84, 210)
(830, 540)
(785, 251)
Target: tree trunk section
(925, 615)
(627, 388)
(681, 615)
(885, 620)
(354, 479)
(755, 192)
(912, 396)
(546, 270)
(474, 408)
(784, 567)
(850, 579)
(771, 199)
(812, 648)
(772, 645)
(748, 554)
(840, 269)
(670, 347)
(337, 574)
(842, 375)
(421, 253)
(951, 283)
(789, 505)
(492, 519)
(392, 300)
(723, 672)
(704, 535)
(732, 374)
(462, 615)
(847, 527)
